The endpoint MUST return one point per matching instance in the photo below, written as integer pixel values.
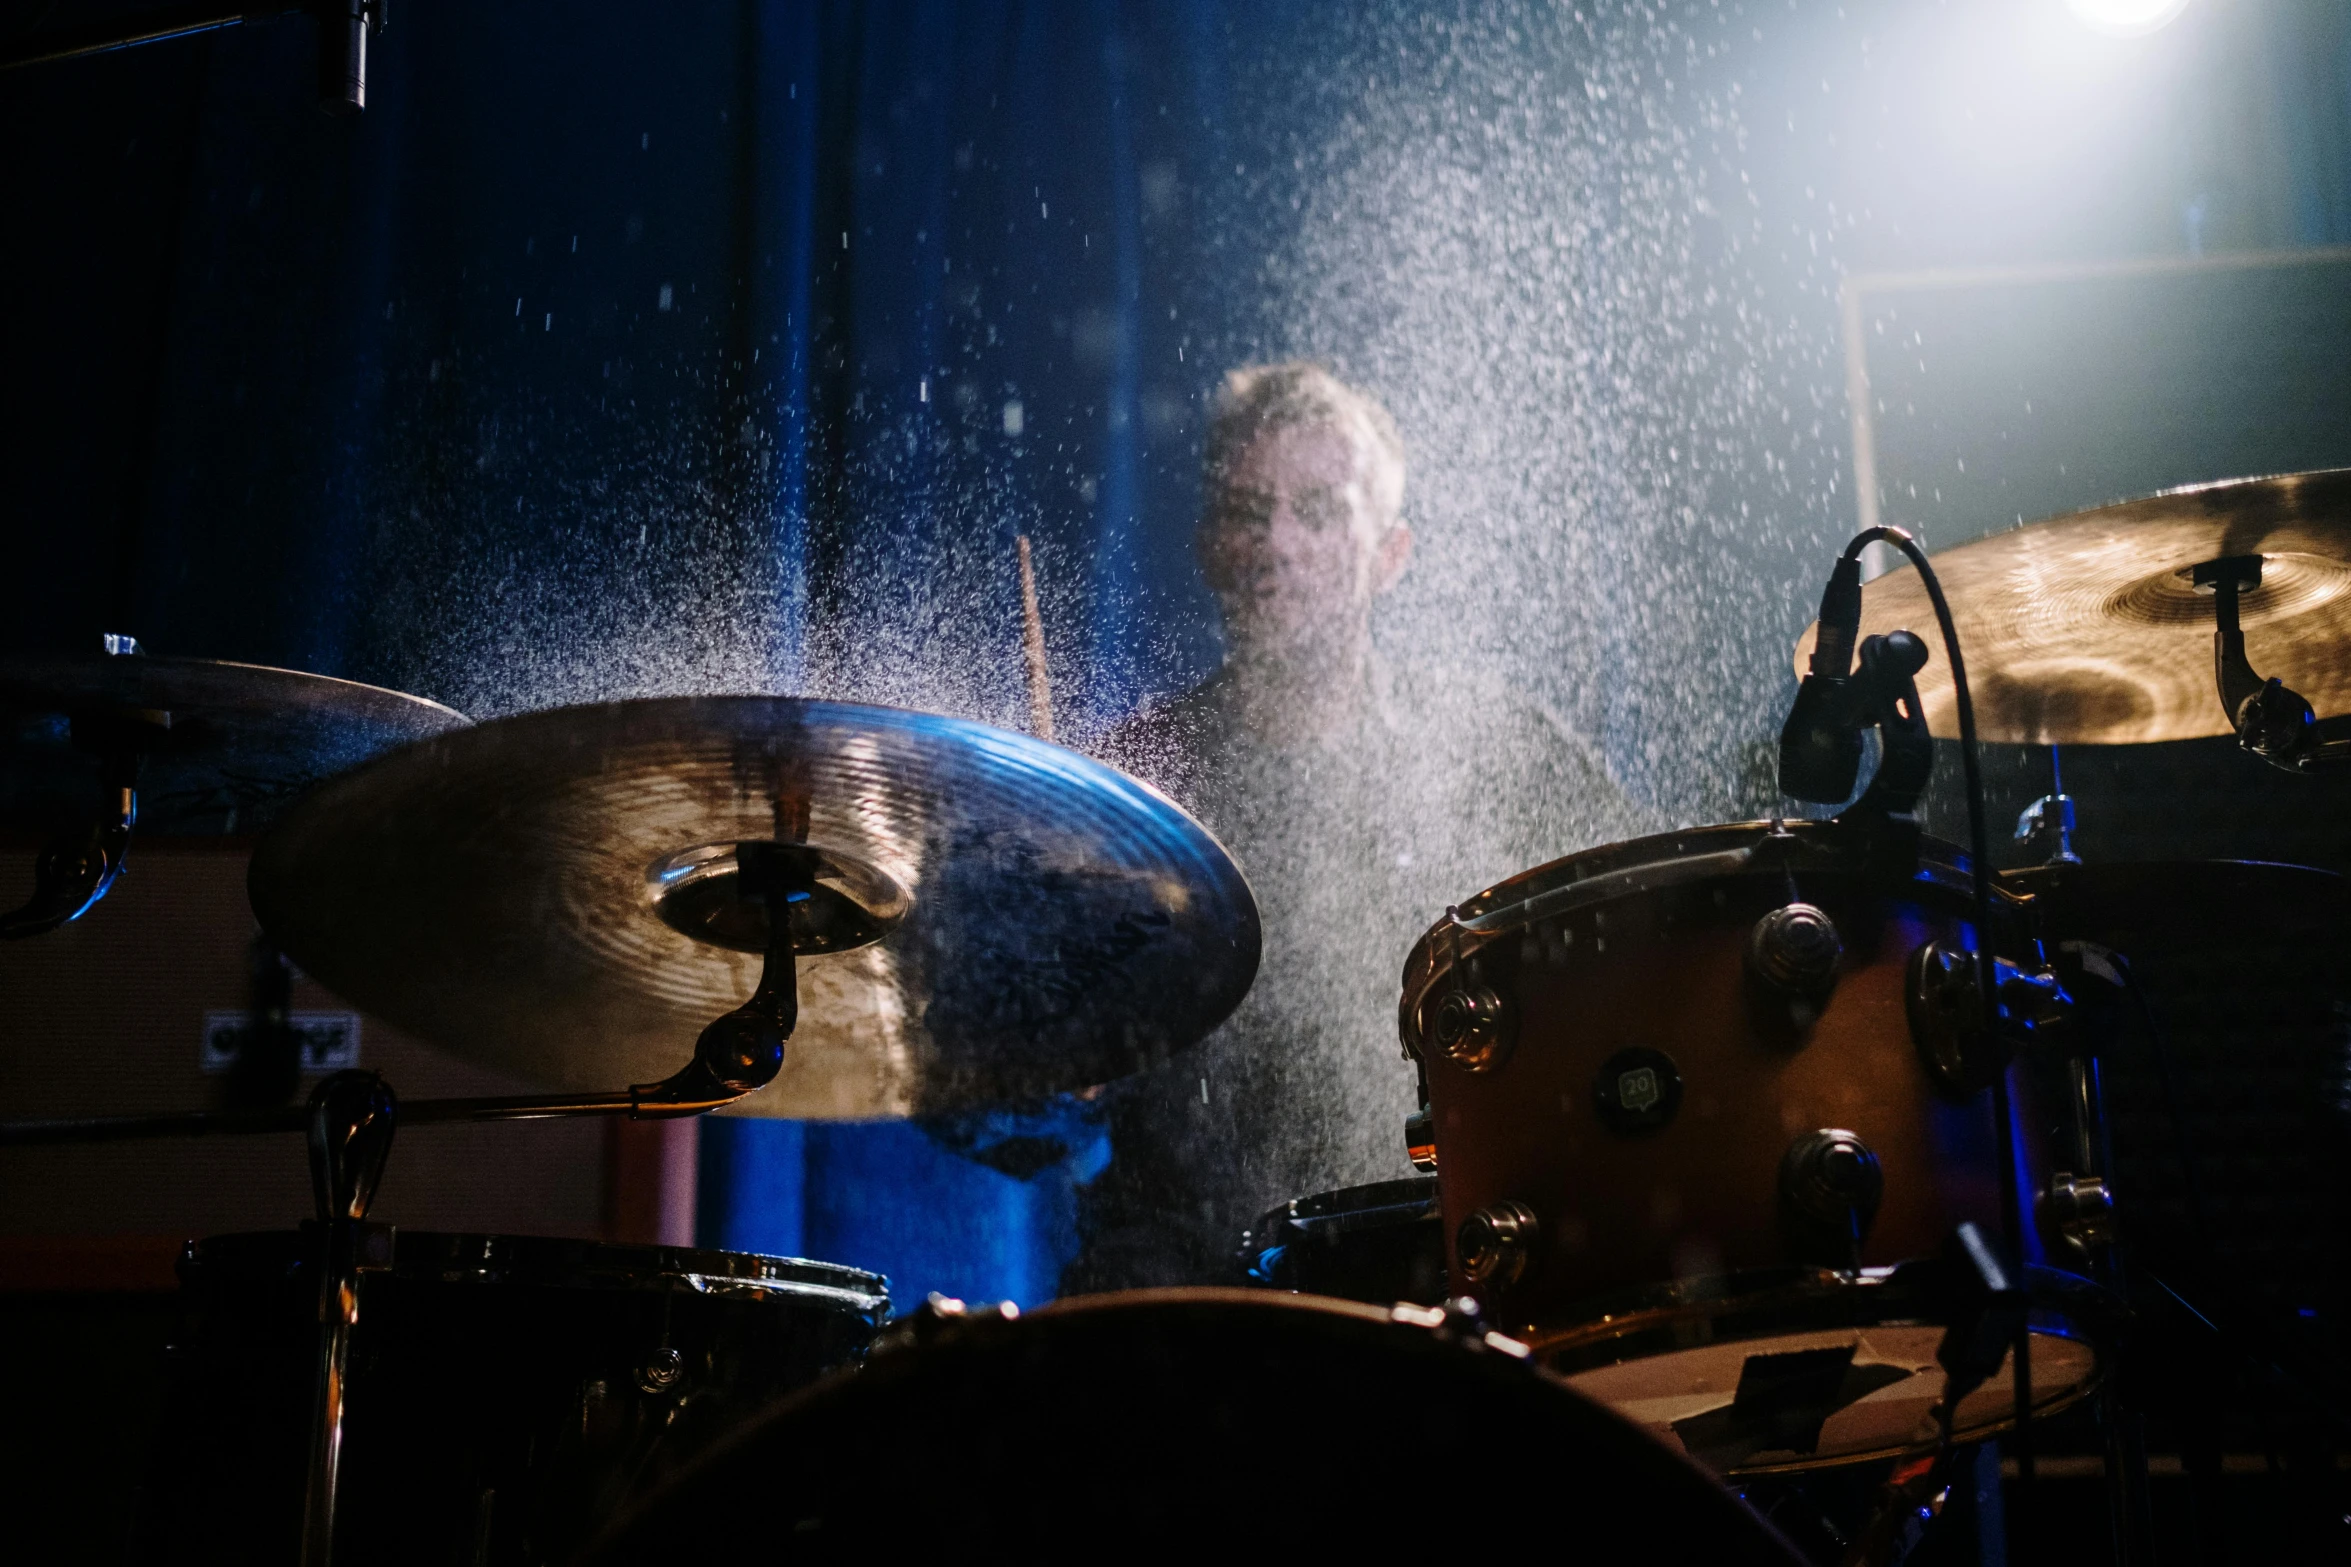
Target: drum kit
(1747, 1150)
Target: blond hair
(1258, 399)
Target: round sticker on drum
(1637, 1090)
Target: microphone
(1820, 744)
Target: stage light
(2126, 17)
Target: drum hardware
(344, 30)
(2271, 721)
(1889, 697)
(121, 738)
(350, 1136)
(1793, 951)
(1496, 1244)
(939, 1317)
(2050, 820)
(1830, 1186)
(736, 1054)
(1819, 749)
(79, 865)
(1986, 1310)
(1472, 1028)
(1821, 743)
(2080, 1210)
(1420, 1138)
(1943, 1003)
(266, 1067)
(1820, 753)
(1379, 1243)
(662, 1370)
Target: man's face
(1293, 545)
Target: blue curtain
(995, 240)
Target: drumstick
(1032, 646)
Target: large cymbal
(520, 892)
(244, 738)
(2083, 630)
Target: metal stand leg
(352, 1116)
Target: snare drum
(1701, 1082)
(507, 1395)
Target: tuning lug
(1473, 1027)
(1496, 1245)
(1794, 950)
(2078, 1210)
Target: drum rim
(1409, 1197)
(1611, 872)
(566, 1262)
(1605, 1331)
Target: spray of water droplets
(1536, 247)
(1530, 230)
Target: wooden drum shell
(1648, 948)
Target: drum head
(1759, 1374)
(1217, 1420)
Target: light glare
(2126, 17)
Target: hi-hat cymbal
(997, 918)
(242, 738)
(2085, 630)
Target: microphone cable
(1979, 844)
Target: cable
(1979, 849)
(1979, 834)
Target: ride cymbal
(240, 741)
(995, 917)
(2085, 629)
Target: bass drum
(1228, 1423)
(1379, 1243)
(507, 1395)
(1692, 1096)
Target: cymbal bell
(2086, 630)
(993, 917)
(241, 739)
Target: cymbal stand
(735, 1055)
(2051, 817)
(352, 1117)
(2079, 1208)
(79, 866)
(2272, 720)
